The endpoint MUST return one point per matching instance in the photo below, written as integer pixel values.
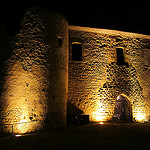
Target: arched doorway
(123, 109)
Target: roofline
(108, 31)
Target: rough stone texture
(58, 69)
(36, 84)
(35, 87)
(97, 81)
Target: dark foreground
(93, 136)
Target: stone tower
(107, 74)
(36, 83)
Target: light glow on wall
(140, 116)
(99, 114)
(24, 101)
(23, 126)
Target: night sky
(130, 16)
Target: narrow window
(146, 53)
(60, 41)
(76, 51)
(120, 57)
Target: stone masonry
(97, 80)
(56, 70)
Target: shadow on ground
(93, 136)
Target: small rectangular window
(120, 57)
(76, 51)
(60, 41)
(146, 53)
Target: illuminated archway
(122, 109)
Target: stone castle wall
(97, 80)
(36, 82)
(39, 79)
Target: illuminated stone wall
(58, 70)
(97, 81)
(35, 87)
(38, 83)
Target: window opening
(60, 41)
(146, 53)
(76, 51)
(120, 57)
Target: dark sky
(132, 16)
